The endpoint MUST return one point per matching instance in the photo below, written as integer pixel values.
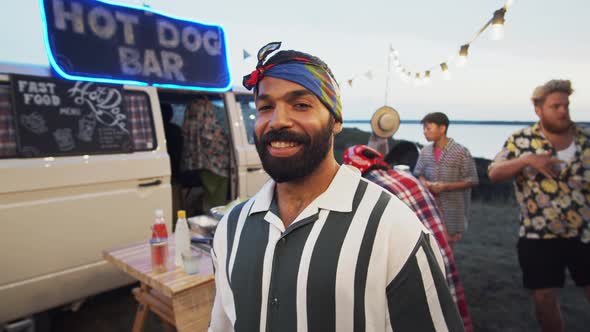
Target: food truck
(84, 159)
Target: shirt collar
(446, 147)
(337, 197)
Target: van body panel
(59, 213)
(48, 173)
(62, 228)
(250, 173)
(41, 293)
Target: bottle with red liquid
(159, 243)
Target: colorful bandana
(363, 158)
(301, 71)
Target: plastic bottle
(159, 243)
(182, 241)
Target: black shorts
(543, 262)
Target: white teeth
(281, 145)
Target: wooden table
(180, 300)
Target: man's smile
(283, 148)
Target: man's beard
(557, 127)
(286, 169)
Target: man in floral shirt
(550, 163)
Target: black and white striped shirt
(356, 259)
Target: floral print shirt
(551, 208)
(206, 141)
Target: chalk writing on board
(86, 126)
(64, 139)
(104, 102)
(34, 122)
(109, 137)
(71, 111)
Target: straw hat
(385, 122)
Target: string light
(497, 29)
(417, 79)
(496, 25)
(445, 70)
(426, 77)
(463, 51)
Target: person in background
(447, 169)
(550, 164)
(412, 192)
(174, 143)
(319, 248)
(173, 139)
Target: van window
(140, 121)
(248, 107)
(7, 132)
(140, 118)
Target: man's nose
(562, 109)
(280, 117)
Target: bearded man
(550, 164)
(319, 248)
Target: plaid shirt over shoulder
(551, 208)
(409, 189)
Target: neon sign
(100, 41)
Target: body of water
(482, 140)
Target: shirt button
(274, 301)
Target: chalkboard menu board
(58, 117)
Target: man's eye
(263, 108)
(302, 106)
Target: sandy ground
(487, 264)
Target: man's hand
(437, 187)
(425, 182)
(543, 163)
(455, 238)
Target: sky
(543, 40)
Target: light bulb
(417, 80)
(497, 32)
(445, 70)
(463, 55)
(426, 78)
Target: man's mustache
(284, 135)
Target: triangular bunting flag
(246, 54)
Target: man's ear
(337, 128)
